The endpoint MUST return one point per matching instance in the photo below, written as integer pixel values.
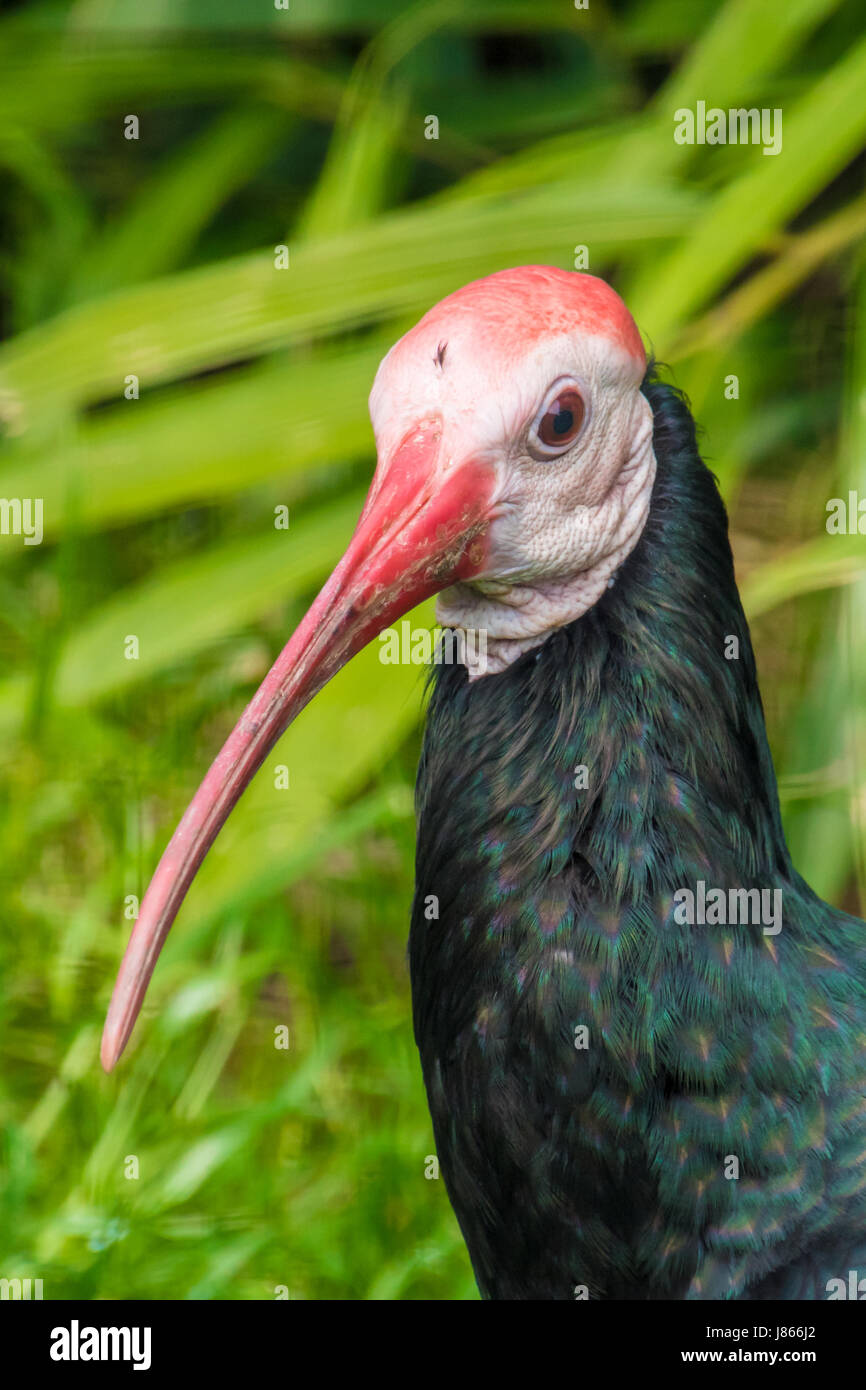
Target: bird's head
(520, 398)
(514, 474)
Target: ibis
(642, 1035)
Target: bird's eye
(558, 422)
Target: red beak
(421, 530)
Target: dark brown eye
(559, 421)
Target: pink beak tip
(114, 1040)
(109, 1053)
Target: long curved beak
(422, 528)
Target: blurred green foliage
(305, 1167)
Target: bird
(642, 1035)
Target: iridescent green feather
(710, 1138)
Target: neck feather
(650, 699)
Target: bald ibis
(643, 1037)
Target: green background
(305, 1168)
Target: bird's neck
(633, 738)
(667, 703)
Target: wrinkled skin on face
(478, 369)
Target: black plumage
(544, 907)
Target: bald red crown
(520, 306)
